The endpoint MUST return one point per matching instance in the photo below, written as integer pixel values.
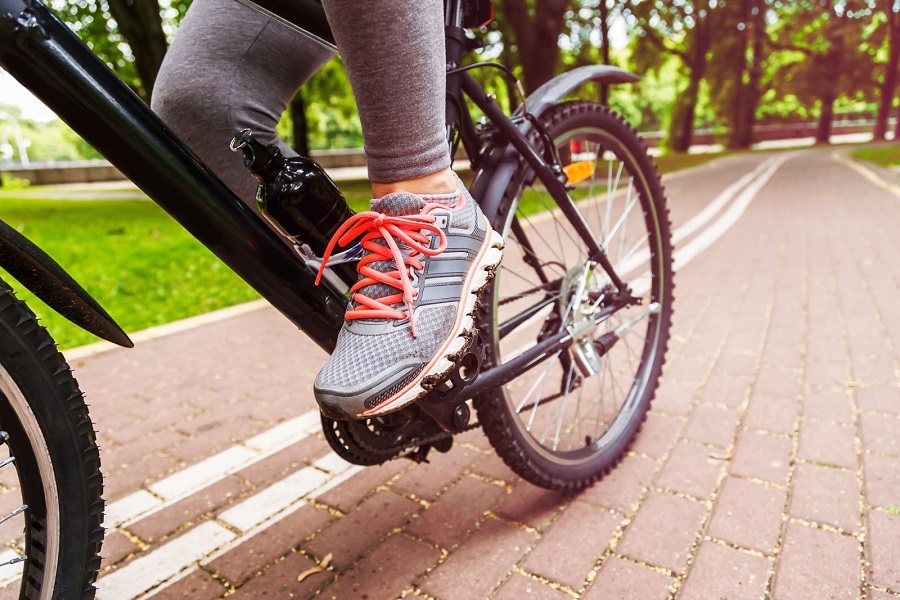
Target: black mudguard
(34, 269)
(494, 177)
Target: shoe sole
(442, 362)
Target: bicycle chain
(356, 450)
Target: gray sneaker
(446, 257)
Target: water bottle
(297, 197)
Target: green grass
(884, 156)
(139, 264)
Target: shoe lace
(375, 226)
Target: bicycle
(573, 328)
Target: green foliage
(95, 25)
(692, 54)
(141, 266)
(45, 141)
(331, 115)
(885, 156)
(818, 38)
(10, 182)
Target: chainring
(377, 440)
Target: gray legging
(229, 68)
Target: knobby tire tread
(494, 413)
(80, 543)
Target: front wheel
(569, 419)
(50, 481)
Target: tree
(140, 22)
(129, 35)
(685, 30)
(890, 11)
(536, 26)
(736, 67)
(825, 41)
(587, 40)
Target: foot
(425, 260)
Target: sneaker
(425, 259)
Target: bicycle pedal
(442, 403)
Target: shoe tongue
(399, 204)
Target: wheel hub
(577, 307)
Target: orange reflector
(579, 171)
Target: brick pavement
(768, 466)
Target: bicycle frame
(50, 60)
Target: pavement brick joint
(769, 465)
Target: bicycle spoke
(563, 428)
(630, 205)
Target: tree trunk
(300, 129)
(537, 37)
(140, 24)
(681, 132)
(897, 127)
(752, 92)
(823, 130)
(740, 92)
(831, 62)
(604, 40)
(886, 93)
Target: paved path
(769, 465)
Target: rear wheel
(50, 481)
(569, 419)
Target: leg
(231, 67)
(395, 58)
(428, 248)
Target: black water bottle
(297, 197)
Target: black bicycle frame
(50, 60)
(47, 58)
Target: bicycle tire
(56, 460)
(503, 418)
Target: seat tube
(455, 38)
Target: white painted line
(183, 483)
(719, 202)
(168, 329)
(712, 233)
(866, 172)
(166, 561)
(263, 525)
(203, 473)
(286, 433)
(332, 483)
(274, 499)
(130, 506)
(336, 481)
(332, 463)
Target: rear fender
(497, 169)
(34, 269)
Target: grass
(139, 264)
(885, 156)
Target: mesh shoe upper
(376, 357)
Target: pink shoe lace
(375, 225)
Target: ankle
(442, 182)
